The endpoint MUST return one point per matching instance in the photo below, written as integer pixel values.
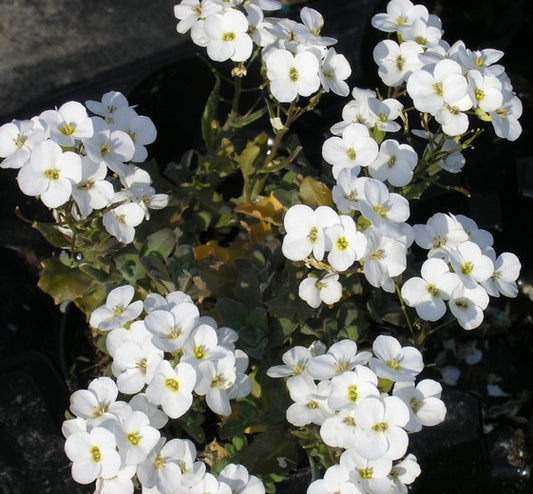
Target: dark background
(52, 51)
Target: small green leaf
(53, 235)
(273, 451)
(315, 193)
(63, 283)
(160, 244)
(247, 120)
(232, 313)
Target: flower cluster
(462, 268)
(161, 360)
(342, 392)
(65, 155)
(442, 80)
(298, 59)
(372, 175)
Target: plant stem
(404, 311)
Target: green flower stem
(404, 311)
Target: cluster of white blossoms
(462, 269)
(299, 61)
(65, 154)
(338, 390)
(163, 360)
(442, 80)
(368, 232)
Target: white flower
(17, 139)
(470, 264)
(395, 163)
(404, 473)
(397, 62)
(98, 402)
(121, 483)
(189, 12)
(380, 423)
(439, 235)
(113, 147)
(427, 294)
(336, 481)
(117, 310)
(503, 280)
(425, 406)
(141, 130)
(426, 32)
(209, 484)
(351, 387)
(348, 190)
(291, 75)
(505, 119)
(338, 431)
(122, 220)
(467, 305)
(334, 70)
(384, 259)
(305, 231)
(401, 14)
(430, 91)
(227, 35)
(171, 328)
(191, 470)
(484, 91)
(344, 243)
(369, 475)
(240, 481)
(157, 417)
(67, 124)
(395, 362)
(106, 108)
(481, 60)
(296, 361)
(215, 381)
(92, 191)
(481, 237)
(202, 345)
(93, 454)
(315, 291)
(135, 437)
(384, 112)
(161, 469)
(386, 210)
(341, 357)
(310, 401)
(172, 388)
(134, 365)
(355, 149)
(356, 111)
(50, 173)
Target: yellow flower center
(352, 155)
(293, 74)
(96, 455)
(380, 427)
(352, 393)
(229, 36)
(437, 87)
(133, 438)
(67, 129)
(342, 244)
(52, 174)
(172, 385)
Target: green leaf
(231, 312)
(315, 193)
(209, 115)
(160, 244)
(268, 452)
(247, 159)
(63, 283)
(246, 120)
(53, 235)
